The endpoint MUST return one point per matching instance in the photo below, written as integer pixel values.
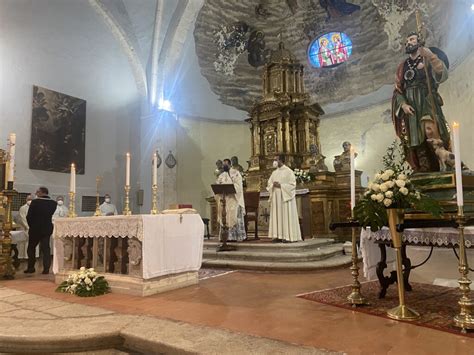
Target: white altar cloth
(438, 237)
(171, 243)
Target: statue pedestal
(442, 187)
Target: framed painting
(58, 131)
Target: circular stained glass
(329, 50)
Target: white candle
(127, 170)
(11, 170)
(457, 164)
(72, 181)
(353, 198)
(154, 169)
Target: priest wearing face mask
(235, 205)
(61, 209)
(108, 208)
(284, 220)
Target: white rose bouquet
(85, 283)
(302, 176)
(392, 188)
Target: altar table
(139, 254)
(376, 258)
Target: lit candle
(72, 181)
(11, 170)
(353, 193)
(127, 170)
(457, 165)
(154, 169)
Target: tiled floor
(264, 304)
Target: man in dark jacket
(39, 219)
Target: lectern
(222, 190)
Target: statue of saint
(317, 162)
(342, 162)
(235, 164)
(219, 168)
(416, 106)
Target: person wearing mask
(61, 209)
(40, 224)
(284, 220)
(107, 208)
(235, 205)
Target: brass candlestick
(9, 271)
(154, 201)
(126, 209)
(97, 201)
(464, 319)
(72, 205)
(355, 298)
(402, 311)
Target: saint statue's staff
(421, 39)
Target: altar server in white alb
(284, 221)
(235, 205)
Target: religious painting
(329, 50)
(58, 130)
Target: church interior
(237, 177)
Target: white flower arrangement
(302, 176)
(389, 188)
(392, 188)
(85, 283)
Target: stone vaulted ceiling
(374, 30)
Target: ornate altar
(283, 122)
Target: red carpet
(436, 304)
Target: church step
(270, 247)
(275, 255)
(278, 266)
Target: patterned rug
(210, 273)
(436, 304)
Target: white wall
(200, 143)
(64, 46)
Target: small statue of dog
(445, 157)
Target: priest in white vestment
(235, 205)
(284, 220)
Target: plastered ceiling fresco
(233, 39)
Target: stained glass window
(329, 50)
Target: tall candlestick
(457, 165)
(154, 169)
(352, 178)
(11, 170)
(127, 170)
(72, 181)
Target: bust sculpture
(342, 162)
(317, 161)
